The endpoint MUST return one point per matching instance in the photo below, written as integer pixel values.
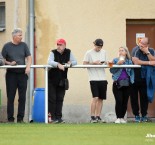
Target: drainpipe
(15, 13)
(31, 45)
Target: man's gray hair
(16, 30)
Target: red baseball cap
(61, 41)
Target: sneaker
(10, 121)
(118, 120)
(99, 120)
(20, 121)
(93, 119)
(145, 119)
(137, 119)
(122, 120)
(61, 121)
(58, 121)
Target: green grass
(77, 134)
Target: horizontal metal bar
(76, 66)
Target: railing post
(46, 94)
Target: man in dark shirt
(14, 53)
(141, 55)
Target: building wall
(80, 23)
(11, 22)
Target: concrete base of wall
(81, 114)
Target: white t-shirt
(95, 74)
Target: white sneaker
(122, 120)
(118, 120)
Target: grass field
(77, 134)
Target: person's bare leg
(93, 106)
(99, 105)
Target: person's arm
(72, 60)
(28, 65)
(137, 61)
(150, 55)
(53, 63)
(87, 62)
(114, 70)
(9, 62)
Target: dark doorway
(146, 26)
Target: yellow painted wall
(80, 22)
(5, 36)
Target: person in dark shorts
(97, 78)
(15, 53)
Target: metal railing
(46, 68)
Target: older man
(57, 79)
(15, 53)
(141, 55)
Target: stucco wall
(21, 21)
(80, 23)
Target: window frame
(2, 16)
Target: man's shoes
(58, 121)
(145, 119)
(61, 121)
(20, 121)
(99, 120)
(137, 119)
(10, 121)
(93, 119)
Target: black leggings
(121, 97)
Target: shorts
(99, 89)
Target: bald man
(141, 55)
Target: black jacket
(55, 74)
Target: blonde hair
(127, 51)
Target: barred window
(2, 14)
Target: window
(2, 15)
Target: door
(146, 27)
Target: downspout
(31, 45)
(15, 13)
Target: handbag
(64, 83)
(123, 83)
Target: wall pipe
(31, 45)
